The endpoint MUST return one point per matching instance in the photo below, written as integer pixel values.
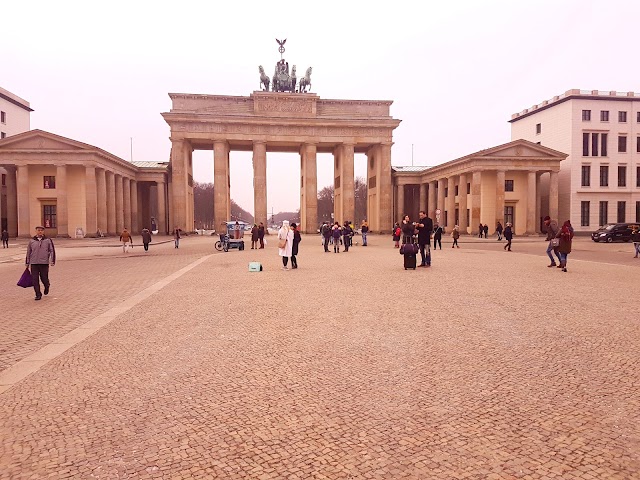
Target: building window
(638, 117)
(3, 117)
(49, 216)
(586, 115)
(49, 182)
(604, 115)
(638, 144)
(638, 177)
(3, 135)
(538, 128)
(446, 191)
(468, 192)
(508, 214)
(622, 117)
(622, 144)
(457, 193)
(584, 214)
(585, 144)
(604, 175)
(622, 210)
(603, 145)
(622, 175)
(594, 144)
(508, 185)
(603, 215)
(637, 212)
(586, 175)
(4, 180)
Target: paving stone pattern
(486, 366)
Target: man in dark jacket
(325, 230)
(425, 227)
(261, 234)
(5, 239)
(552, 233)
(40, 253)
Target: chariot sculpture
(283, 80)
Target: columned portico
(91, 194)
(308, 188)
(260, 182)
(62, 210)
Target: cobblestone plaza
(179, 363)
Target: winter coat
(126, 237)
(254, 234)
(296, 242)
(260, 232)
(40, 251)
(5, 235)
(455, 234)
(508, 233)
(146, 236)
(336, 232)
(285, 233)
(565, 241)
(552, 230)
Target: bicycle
(223, 243)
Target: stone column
(310, 188)
(162, 210)
(179, 184)
(440, 203)
(222, 199)
(119, 204)
(101, 180)
(400, 213)
(432, 201)
(553, 196)
(462, 202)
(538, 201)
(126, 192)
(531, 203)
(385, 189)
(62, 210)
(91, 200)
(135, 225)
(260, 182)
(22, 186)
(12, 202)
(423, 197)
(499, 216)
(111, 203)
(348, 188)
(451, 202)
(476, 201)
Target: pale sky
(100, 72)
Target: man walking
(552, 233)
(437, 236)
(425, 227)
(146, 238)
(126, 238)
(40, 254)
(5, 239)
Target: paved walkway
(486, 366)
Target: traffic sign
(438, 211)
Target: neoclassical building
(516, 182)
(75, 189)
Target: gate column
(221, 199)
(347, 183)
(260, 182)
(386, 189)
(308, 189)
(179, 178)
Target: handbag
(408, 248)
(282, 243)
(555, 242)
(26, 280)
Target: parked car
(614, 232)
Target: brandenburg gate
(282, 122)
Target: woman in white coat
(285, 243)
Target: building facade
(74, 189)
(599, 183)
(499, 184)
(15, 117)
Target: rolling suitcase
(409, 252)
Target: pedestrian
(437, 236)
(126, 238)
(424, 227)
(285, 243)
(564, 247)
(508, 235)
(254, 237)
(5, 238)
(296, 243)
(552, 233)
(325, 231)
(486, 230)
(347, 235)
(480, 230)
(40, 254)
(146, 238)
(335, 234)
(635, 237)
(455, 234)
(261, 234)
(408, 229)
(499, 231)
(364, 229)
(396, 235)
(176, 237)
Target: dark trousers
(261, 242)
(326, 244)
(438, 241)
(346, 244)
(294, 262)
(455, 243)
(285, 260)
(508, 245)
(39, 272)
(146, 247)
(5, 243)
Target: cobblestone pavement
(486, 366)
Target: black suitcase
(409, 260)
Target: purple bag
(26, 280)
(409, 249)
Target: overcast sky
(99, 72)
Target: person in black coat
(294, 246)
(508, 235)
(424, 227)
(437, 236)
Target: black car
(614, 232)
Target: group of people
(337, 234)
(127, 239)
(560, 240)
(257, 235)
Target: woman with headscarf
(564, 247)
(285, 243)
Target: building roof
(406, 168)
(575, 94)
(16, 100)
(151, 164)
